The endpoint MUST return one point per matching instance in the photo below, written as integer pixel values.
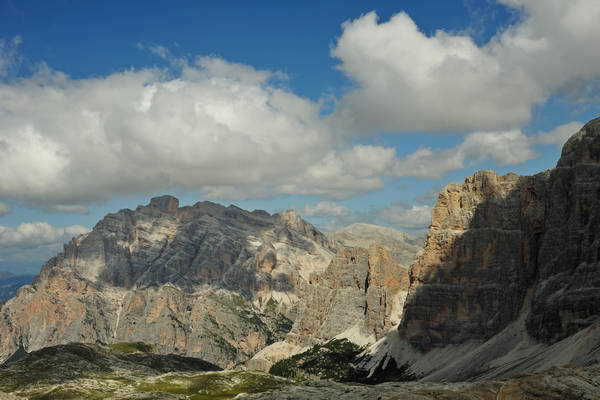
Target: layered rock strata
(510, 273)
(493, 238)
(359, 297)
(208, 281)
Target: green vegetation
(271, 306)
(223, 344)
(124, 371)
(133, 347)
(283, 324)
(213, 386)
(232, 301)
(202, 386)
(332, 360)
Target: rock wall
(494, 237)
(401, 246)
(359, 297)
(214, 282)
(209, 281)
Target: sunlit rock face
(509, 279)
(493, 238)
(469, 282)
(193, 280)
(359, 297)
(214, 282)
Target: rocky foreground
(134, 371)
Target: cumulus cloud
(33, 242)
(399, 215)
(71, 208)
(446, 82)
(32, 234)
(341, 174)
(231, 132)
(216, 127)
(560, 134)
(325, 209)
(506, 148)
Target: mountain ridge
(210, 281)
(509, 279)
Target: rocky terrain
(509, 279)
(133, 371)
(359, 297)
(553, 384)
(508, 283)
(208, 281)
(122, 371)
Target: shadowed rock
(509, 279)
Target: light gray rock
(192, 280)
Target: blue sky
(347, 111)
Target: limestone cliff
(209, 281)
(509, 279)
(360, 297)
(214, 282)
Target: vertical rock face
(470, 270)
(214, 282)
(193, 280)
(360, 295)
(493, 238)
(566, 295)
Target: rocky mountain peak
(509, 278)
(193, 280)
(292, 220)
(166, 204)
(583, 147)
(400, 245)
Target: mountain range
(506, 282)
(209, 281)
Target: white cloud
(506, 148)
(445, 82)
(325, 209)
(406, 216)
(230, 131)
(33, 242)
(217, 127)
(560, 134)
(31, 234)
(4, 208)
(341, 174)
